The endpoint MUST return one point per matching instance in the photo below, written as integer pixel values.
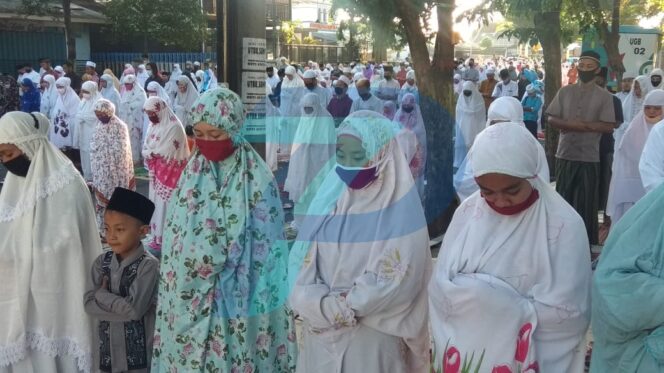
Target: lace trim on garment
(13, 353)
(162, 190)
(45, 188)
(34, 136)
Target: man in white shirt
(471, 73)
(506, 87)
(311, 83)
(388, 88)
(367, 101)
(272, 78)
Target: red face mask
(154, 117)
(128, 86)
(515, 209)
(215, 150)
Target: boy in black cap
(124, 292)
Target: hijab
(414, 122)
(65, 110)
(470, 114)
(30, 100)
(115, 81)
(626, 186)
(297, 82)
(184, 102)
(382, 227)
(49, 97)
(54, 259)
(531, 269)
(502, 110)
(313, 147)
(110, 92)
(85, 116)
(389, 109)
(111, 148)
(165, 149)
(153, 86)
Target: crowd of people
(200, 275)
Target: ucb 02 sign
(638, 51)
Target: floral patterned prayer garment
(223, 272)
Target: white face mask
(152, 94)
(85, 95)
(61, 90)
(149, 72)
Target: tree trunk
(379, 47)
(610, 36)
(69, 32)
(434, 80)
(548, 30)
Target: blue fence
(116, 61)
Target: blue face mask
(356, 177)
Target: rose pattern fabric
(223, 286)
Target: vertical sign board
(638, 52)
(253, 88)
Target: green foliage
(288, 34)
(39, 8)
(380, 18)
(486, 43)
(171, 22)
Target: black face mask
(408, 109)
(656, 81)
(365, 95)
(587, 76)
(338, 91)
(311, 86)
(19, 166)
(467, 93)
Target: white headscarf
(470, 115)
(172, 84)
(626, 186)
(651, 165)
(632, 105)
(86, 118)
(531, 269)
(313, 147)
(161, 136)
(160, 91)
(49, 97)
(297, 82)
(371, 243)
(504, 110)
(63, 124)
(184, 101)
(659, 73)
(49, 241)
(110, 92)
(142, 76)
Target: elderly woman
(361, 263)
(131, 113)
(49, 240)
(166, 154)
(110, 157)
(223, 303)
(627, 298)
(512, 281)
(185, 98)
